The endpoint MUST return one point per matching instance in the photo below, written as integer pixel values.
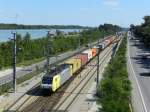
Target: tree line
(21, 26)
(33, 49)
(115, 88)
(142, 31)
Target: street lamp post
(49, 47)
(80, 41)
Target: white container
(89, 52)
(101, 45)
(107, 42)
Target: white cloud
(111, 3)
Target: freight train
(63, 72)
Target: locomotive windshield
(47, 80)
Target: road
(138, 69)
(28, 69)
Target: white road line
(143, 102)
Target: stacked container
(89, 53)
(75, 63)
(94, 52)
(60, 74)
(83, 58)
(107, 42)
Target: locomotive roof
(54, 71)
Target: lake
(35, 33)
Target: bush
(115, 87)
(34, 49)
(5, 88)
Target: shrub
(115, 87)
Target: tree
(27, 37)
(32, 49)
(143, 31)
(147, 21)
(58, 32)
(115, 87)
(1, 60)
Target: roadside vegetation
(33, 50)
(115, 88)
(5, 88)
(143, 31)
(21, 26)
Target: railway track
(37, 92)
(46, 102)
(74, 94)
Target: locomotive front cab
(47, 82)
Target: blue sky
(76, 12)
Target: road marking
(130, 108)
(144, 105)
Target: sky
(74, 12)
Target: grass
(5, 88)
(28, 76)
(26, 63)
(30, 62)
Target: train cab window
(47, 80)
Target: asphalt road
(32, 68)
(139, 70)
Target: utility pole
(79, 41)
(97, 81)
(90, 42)
(14, 62)
(103, 35)
(48, 50)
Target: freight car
(59, 75)
(75, 63)
(83, 57)
(89, 53)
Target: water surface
(35, 33)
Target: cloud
(111, 3)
